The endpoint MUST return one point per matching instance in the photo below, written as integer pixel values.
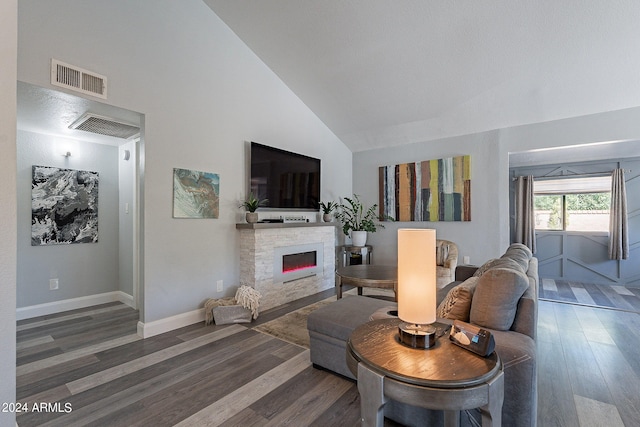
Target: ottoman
(331, 326)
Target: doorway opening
(86, 274)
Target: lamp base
(417, 336)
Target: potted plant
(357, 219)
(251, 204)
(327, 208)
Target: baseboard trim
(126, 299)
(73, 304)
(160, 326)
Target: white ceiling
(388, 72)
(50, 112)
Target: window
(572, 204)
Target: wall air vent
(77, 79)
(105, 126)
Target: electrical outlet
(53, 284)
(219, 284)
(466, 260)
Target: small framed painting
(195, 194)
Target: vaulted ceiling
(388, 72)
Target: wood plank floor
(590, 294)
(88, 368)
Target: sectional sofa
(500, 295)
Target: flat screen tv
(288, 180)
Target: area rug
(292, 327)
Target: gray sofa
(501, 293)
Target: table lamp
(417, 286)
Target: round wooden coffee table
(445, 377)
(366, 275)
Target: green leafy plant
(355, 217)
(252, 203)
(328, 207)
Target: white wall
(203, 93)
(82, 269)
(8, 61)
(126, 216)
(620, 125)
(487, 234)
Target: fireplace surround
(263, 248)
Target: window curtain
(525, 224)
(618, 224)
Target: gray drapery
(525, 224)
(618, 227)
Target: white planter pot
(359, 238)
(327, 217)
(251, 217)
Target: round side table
(372, 276)
(355, 255)
(445, 377)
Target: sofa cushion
(457, 304)
(496, 297)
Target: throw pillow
(484, 267)
(519, 258)
(457, 304)
(519, 253)
(495, 300)
(521, 247)
(508, 262)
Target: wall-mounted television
(288, 180)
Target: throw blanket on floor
(249, 298)
(246, 296)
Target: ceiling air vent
(77, 79)
(104, 126)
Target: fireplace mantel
(266, 225)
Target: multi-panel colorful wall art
(431, 190)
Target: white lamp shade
(417, 275)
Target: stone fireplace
(287, 261)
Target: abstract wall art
(431, 190)
(64, 206)
(195, 194)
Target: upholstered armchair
(446, 262)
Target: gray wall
(203, 93)
(583, 256)
(487, 235)
(485, 173)
(8, 102)
(82, 269)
